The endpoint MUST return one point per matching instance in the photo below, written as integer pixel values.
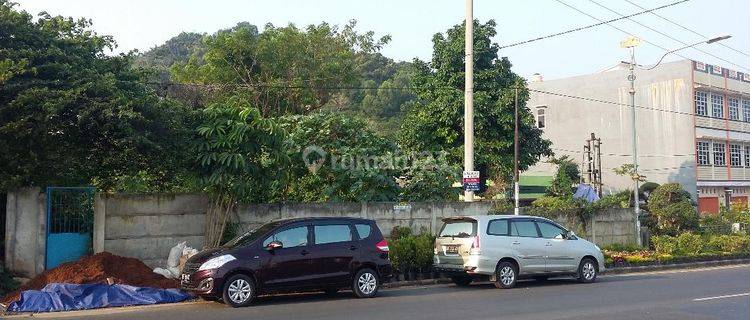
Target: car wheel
(462, 281)
(506, 275)
(365, 283)
(587, 271)
(331, 291)
(239, 291)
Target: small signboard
(471, 180)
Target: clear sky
(141, 24)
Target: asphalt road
(713, 293)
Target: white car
(504, 248)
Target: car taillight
(382, 246)
(474, 246)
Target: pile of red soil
(96, 269)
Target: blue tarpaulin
(586, 192)
(65, 297)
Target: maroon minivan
(304, 254)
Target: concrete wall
(418, 216)
(25, 231)
(147, 226)
(666, 145)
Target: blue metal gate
(70, 222)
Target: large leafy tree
(336, 158)
(435, 122)
(238, 153)
(282, 70)
(71, 115)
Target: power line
(273, 86)
(588, 26)
(669, 36)
(688, 29)
(620, 29)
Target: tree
(283, 70)
(671, 206)
(434, 121)
(336, 158)
(238, 153)
(71, 115)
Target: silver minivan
(504, 248)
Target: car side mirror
(274, 245)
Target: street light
(631, 43)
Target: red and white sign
(716, 70)
(700, 66)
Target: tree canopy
(72, 115)
(435, 120)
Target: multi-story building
(692, 119)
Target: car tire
(365, 283)
(239, 291)
(506, 275)
(587, 270)
(462, 281)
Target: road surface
(712, 293)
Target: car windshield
(252, 235)
(458, 229)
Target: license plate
(185, 277)
(451, 249)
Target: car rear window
(363, 230)
(459, 229)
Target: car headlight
(216, 262)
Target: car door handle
(353, 248)
(304, 252)
(516, 242)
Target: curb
(674, 266)
(609, 271)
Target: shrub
(616, 247)
(673, 210)
(664, 244)
(689, 244)
(412, 253)
(729, 244)
(716, 224)
(622, 199)
(7, 284)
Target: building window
(747, 156)
(720, 154)
(704, 151)
(734, 109)
(701, 103)
(717, 106)
(540, 123)
(746, 110)
(735, 155)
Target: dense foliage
(435, 121)
(72, 115)
(671, 207)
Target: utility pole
(516, 188)
(630, 44)
(469, 96)
(598, 147)
(637, 201)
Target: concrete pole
(469, 96)
(516, 191)
(637, 204)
